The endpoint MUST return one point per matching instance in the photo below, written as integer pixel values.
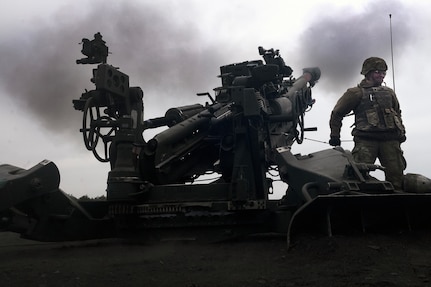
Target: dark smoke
(340, 42)
(170, 58)
(160, 53)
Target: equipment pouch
(372, 117)
(389, 117)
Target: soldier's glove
(335, 141)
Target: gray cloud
(159, 52)
(340, 42)
(169, 57)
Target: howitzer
(210, 168)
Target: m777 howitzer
(241, 136)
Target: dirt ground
(378, 260)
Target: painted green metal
(242, 135)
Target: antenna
(392, 51)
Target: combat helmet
(373, 63)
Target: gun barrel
(310, 75)
(187, 128)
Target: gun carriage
(210, 169)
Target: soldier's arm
(348, 102)
(400, 125)
(396, 105)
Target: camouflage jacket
(377, 113)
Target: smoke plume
(341, 40)
(167, 57)
(170, 57)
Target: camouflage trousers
(389, 154)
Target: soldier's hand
(335, 141)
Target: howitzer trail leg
(32, 204)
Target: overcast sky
(173, 50)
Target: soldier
(378, 129)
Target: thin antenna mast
(392, 52)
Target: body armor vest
(375, 112)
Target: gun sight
(95, 50)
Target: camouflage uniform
(378, 130)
